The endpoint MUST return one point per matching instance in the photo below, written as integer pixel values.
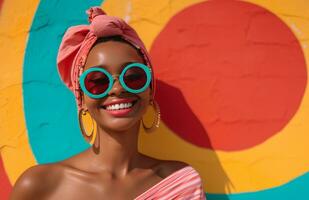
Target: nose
(117, 88)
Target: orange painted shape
(16, 16)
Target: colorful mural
(232, 88)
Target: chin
(120, 124)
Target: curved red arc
(5, 184)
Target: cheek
(93, 108)
(145, 96)
(91, 104)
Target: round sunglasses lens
(96, 82)
(135, 78)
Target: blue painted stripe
(49, 106)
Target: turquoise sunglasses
(96, 82)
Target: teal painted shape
(297, 189)
(50, 108)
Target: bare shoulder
(171, 167)
(165, 167)
(35, 181)
(168, 167)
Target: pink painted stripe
(182, 184)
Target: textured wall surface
(232, 88)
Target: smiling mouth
(120, 106)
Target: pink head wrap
(78, 40)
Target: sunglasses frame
(112, 78)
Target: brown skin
(118, 170)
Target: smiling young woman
(114, 56)
(108, 69)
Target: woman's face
(112, 56)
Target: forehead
(112, 55)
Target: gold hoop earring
(156, 121)
(88, 136)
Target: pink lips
(121, 112)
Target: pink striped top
(184, 184)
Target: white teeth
(119, 106)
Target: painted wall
(232, 88)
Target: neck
(118, 152)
